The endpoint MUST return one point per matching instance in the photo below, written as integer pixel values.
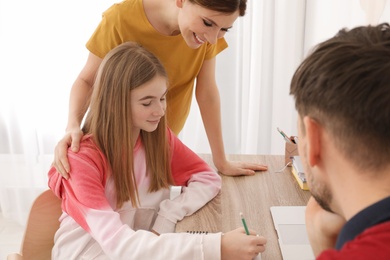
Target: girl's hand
(236, 245)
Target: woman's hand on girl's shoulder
(71, 139)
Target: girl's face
(199, 25)
(148, 104)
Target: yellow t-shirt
(127, 21)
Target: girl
(116, 202)
(186, 35)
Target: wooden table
(251, 195)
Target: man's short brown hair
(344, 84)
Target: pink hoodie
(93, 228)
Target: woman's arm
(207, 96)
(78, 105)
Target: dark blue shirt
(373, 215)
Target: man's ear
(313, 140)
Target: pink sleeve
(83, 198)
(85, 188)
(200, 185)
(186, 163)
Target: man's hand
(323, 227)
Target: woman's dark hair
(223, 6)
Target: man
(342, 95)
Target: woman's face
(199, 25)
(148, 104)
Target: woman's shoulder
(124, 7)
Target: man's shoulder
(381, 229)
(373, 243)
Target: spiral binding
(198, 232)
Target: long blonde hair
(109, 120)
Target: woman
(186, 35)
(116, 202)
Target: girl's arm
(84, 199)
(200, 184)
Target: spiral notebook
(289, 222)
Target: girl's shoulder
(87, 143)
(90, 152)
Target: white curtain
(42, 49)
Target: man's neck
(356, 190)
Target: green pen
(244, 223)
(286, 138)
